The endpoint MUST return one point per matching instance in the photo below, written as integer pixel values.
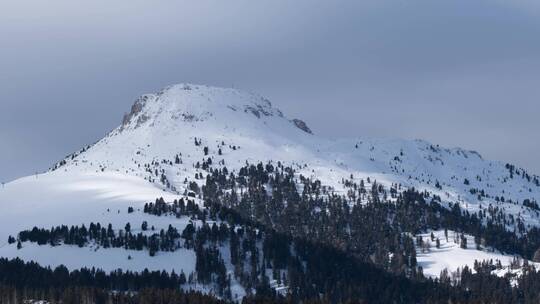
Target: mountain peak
(191, 103)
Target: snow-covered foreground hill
(168, 139)
(57, 198)
(75, 199)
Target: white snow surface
(451, 256)
(118, 171)
(57, 198)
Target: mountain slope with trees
(223, 190)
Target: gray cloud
(458, 73)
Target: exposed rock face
(300, 124)
(136, 108)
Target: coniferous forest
(288, 246)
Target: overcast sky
(455, 72)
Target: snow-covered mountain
(237, 127)
(167, 139)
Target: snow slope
(154, 152)
(57, 198)
(451, 256)
(69, 198)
